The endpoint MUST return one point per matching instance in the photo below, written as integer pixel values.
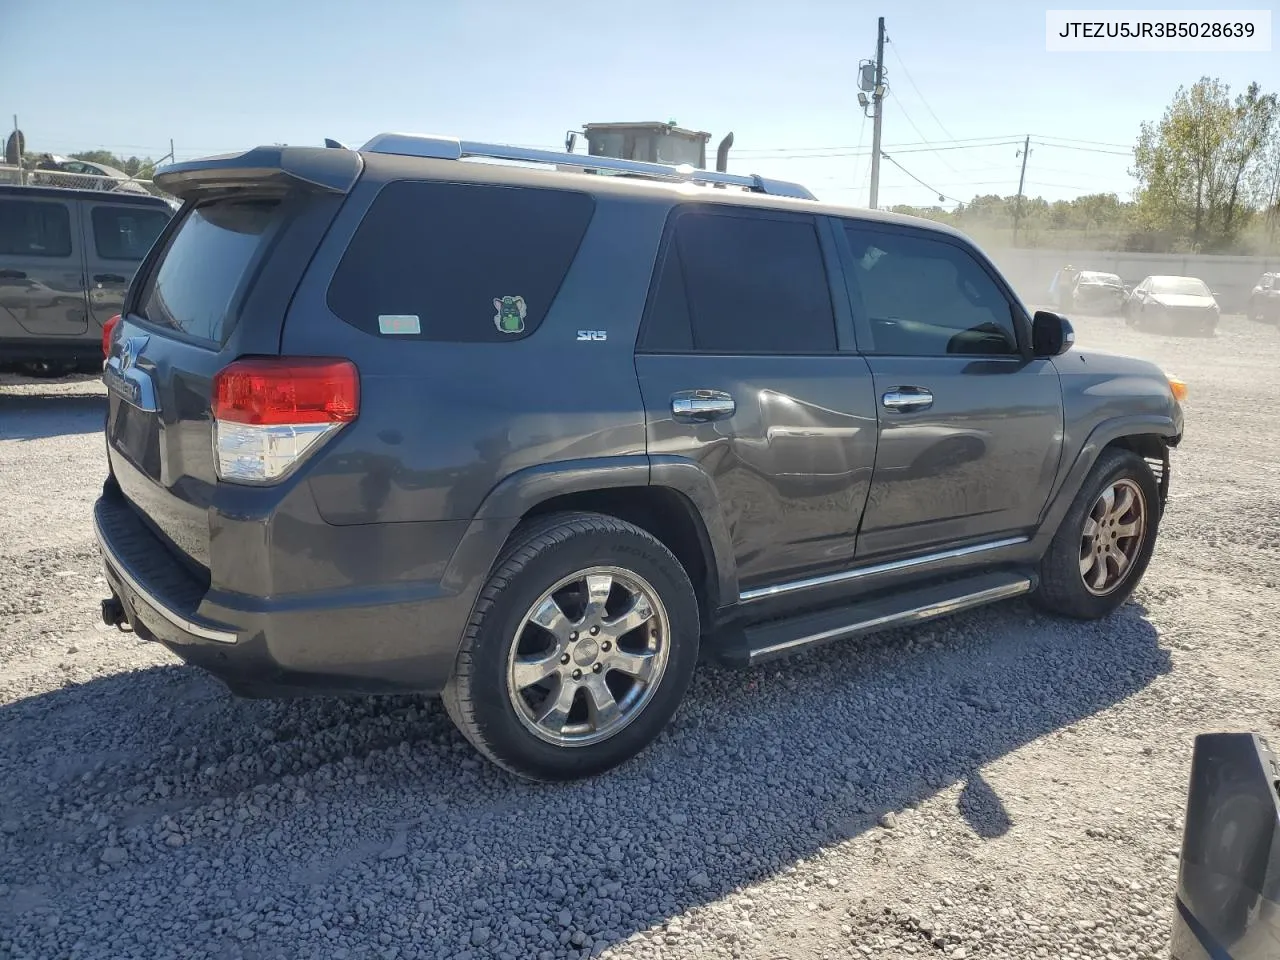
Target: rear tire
(580, 648)
(1082, 574)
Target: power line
(903, 110)
(1068, 186)
(1065, 146)
(910, 79)
(1093, 143)
(938, 193)
(867, 152)
(797, 151)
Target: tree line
(1208, 174)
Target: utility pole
(1273, 207)
(877, 98)
(22, 170)
(1022, 178)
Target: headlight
(1177, 387)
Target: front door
(970, 432)
(116, 238)
(41, 270)
(741, 371)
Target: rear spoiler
(312, 168)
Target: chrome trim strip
(914, 615)
(451, 148)
(179, 621)
(780, 589)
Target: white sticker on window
(399, 323)
(870, 257)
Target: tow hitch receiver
(113, 614)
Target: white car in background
(54, 171)
(1177, 305)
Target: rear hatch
(215, 288)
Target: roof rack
(451, 148)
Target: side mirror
(1051, 334)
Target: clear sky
(222, 75)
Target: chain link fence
(79, 181)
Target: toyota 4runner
(411, 418)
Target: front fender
(1169, 428)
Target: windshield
(1105, 279)
(676, 150)
(1180, 286)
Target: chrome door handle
(702, 406)
(907, 399)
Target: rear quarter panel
(441, 424)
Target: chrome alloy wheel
(1112, 537)
(588, 656)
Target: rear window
(126, 233)
(458, 262)
(34, 228)
(207, 266)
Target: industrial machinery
(650, 143)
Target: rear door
(117, 237)
(970, 430)
(742, 371)
(42, 293)
(215, 288)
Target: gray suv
(66, 259)
(406, 419)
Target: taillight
(270, 412)
(108, 328)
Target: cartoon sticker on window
(510, 315)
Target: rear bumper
(386, 639)
(1198, 320)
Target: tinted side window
(34, 228)
(469, 262)
(926, 297)
(667, 328)
(207, 265)
(125, 233)
(740, 284)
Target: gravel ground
(1000, 784)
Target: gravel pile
(999, 784)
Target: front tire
(580, 648)
(1105, 541)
